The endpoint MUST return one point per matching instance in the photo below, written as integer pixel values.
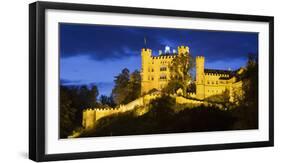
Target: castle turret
(200, 87)
(183, 50)
(145, 58)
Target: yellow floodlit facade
(155, 74)
(155, 70)
(211, 82)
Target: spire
(145, 42)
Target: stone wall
(91, 115)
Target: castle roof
(229, 73)
(214, 71)
(164, 56)
(225, 78)
(168, 54)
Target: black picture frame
(37, 80)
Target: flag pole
(145, 42)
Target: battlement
(146, 50)
(183, 49)
(200, 57)
(216, 74)
(213, 72)
(163, 57)
(91, 115)
(191, 93)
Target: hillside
(163, 117)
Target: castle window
(208, 82)
(152, 78)
(152, 70)
(217, 82)
(163, 77)
(163, 68)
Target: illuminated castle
(155, 74)
(155, 70)
(210, 82)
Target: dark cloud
(115, 42)
(99, 42)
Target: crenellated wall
(91, 115)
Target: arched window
(163, 68)
(163, 77)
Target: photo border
(37, 62)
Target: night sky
(94, 54)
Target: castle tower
(183, 50)
(200, 77)
(145, 59)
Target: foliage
(88, 96)
(180, 73)
(191, 87)
(247, 111)
(222, 98)
(250, 80)
(120, 90)
(161, 109)
(127, 87)
(172, 87)
(152, 91)
(134, 86)
(67, 114)
(73, 100)
(161, 118)
(107, 101)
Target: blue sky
(94, 54)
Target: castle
(155, 74)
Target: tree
(250, 78)
(67, 113)
(127, 87)
(107, 100)
(180, 72)
(92, 96)
(247, 111)
(134, 86)
(120, 90)
(172, 87)
(88, 96)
